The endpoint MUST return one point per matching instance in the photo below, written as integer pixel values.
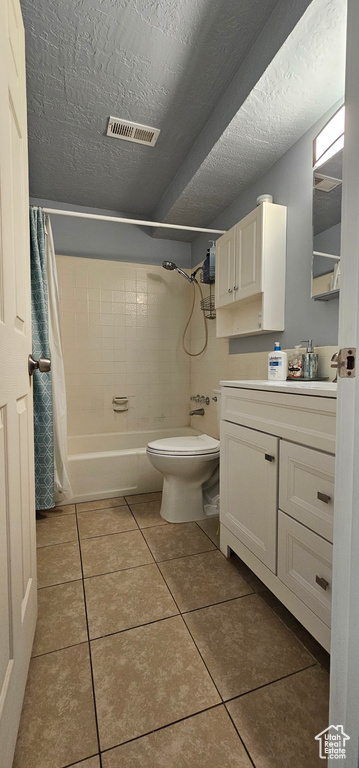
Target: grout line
(240, 737)
(58, 650)
(57, 544)
(162, 727)
(113, 533)
(83, 759)
(218, 602)
(271, 682)
(90, 655)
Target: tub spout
(197, 412)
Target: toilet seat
(190, 445)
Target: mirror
(327, 203)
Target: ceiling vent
(124, 129)
(325, 183)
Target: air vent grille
(325, 183)
(124, 129)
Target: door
(224, 285)
(248, 255)
(344, 697)
(17, 514)
(249, 468)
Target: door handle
(43, 365)
(323, 497)
(323, 583)
(230, 290)
(268, 457)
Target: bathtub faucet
(198, 412)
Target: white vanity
(277, 490)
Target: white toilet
(186, 463)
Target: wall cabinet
(277, 489)
(250, 273)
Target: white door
(249, 469)
(17, 513)
(344, 700)
(224, 285)
(248, 255)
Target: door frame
(344, 690)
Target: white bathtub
(106, 465)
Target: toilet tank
(217, 394)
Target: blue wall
(116, 242)
(290, 182)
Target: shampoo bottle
(277, 364)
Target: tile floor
(154, 651)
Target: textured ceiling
(302, 82)
(165, 63)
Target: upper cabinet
(250, 273)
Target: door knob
(43, 365)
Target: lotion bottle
(277, 364)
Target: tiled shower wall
(121, 328)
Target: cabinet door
(248, 255)
(249, 489)
(225, 248)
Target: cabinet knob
(229, 290)
(323, 583)
(236, 288)
(323, 497)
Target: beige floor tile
(101, 522)
(278, 723)
(87, 506)
(61, 618)
(127, 599)
(58, 564)
(64, 509)
(176, 540)
(146, 678)
(114, 553)
(92, 762)
(141, 498)
(211, 528)
(202, 580)
(148, 514)
(58, 721)
(207, 740)
(58, 530)
(245, 645)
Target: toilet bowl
(186, 463)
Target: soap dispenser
(310, 361)
(295, 364)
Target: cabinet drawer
(303, 559)
(306, 487)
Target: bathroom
(130, 382)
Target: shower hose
(195, 354)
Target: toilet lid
(190, 445)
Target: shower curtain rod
(138, 222)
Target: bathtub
(106, 465)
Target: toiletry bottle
(295, 364)
(310, 361)
(277, 364)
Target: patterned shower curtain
(43, 413)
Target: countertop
(296, 387)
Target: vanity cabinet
(250, 273)
(277, 491)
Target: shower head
(171, 265)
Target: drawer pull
(268, 457)
(323, 497)
(323, 583)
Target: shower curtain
(52, 483)
(42, 388)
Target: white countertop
(296, 387)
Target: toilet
(188, 465)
